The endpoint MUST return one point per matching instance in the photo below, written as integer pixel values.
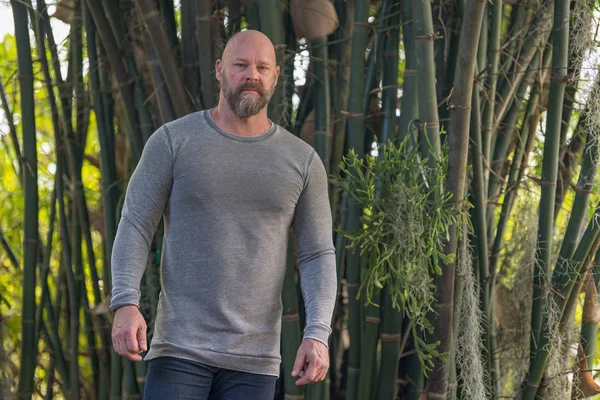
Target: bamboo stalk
(355, 139)
(290, 324)
(161, 46)
(543, 267)
(271, 24)
(167, 12)
(30, 224)
(504, 138)
(124, 88)
(491, 79)
(189, 53)
(368, 355)
(458, 140)
(204, 41)
(520, 157)
(424, 62)
(409, 107)
(322, 100)
(563, 288)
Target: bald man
(230, 184)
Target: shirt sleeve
(145, 201)
(316, 260)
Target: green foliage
(403, 226)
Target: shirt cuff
(317, 332)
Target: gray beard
(246, 105)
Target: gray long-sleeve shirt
(228, 202)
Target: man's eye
(263, 68)
(240, 65)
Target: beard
(246, 105)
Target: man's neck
(252, 126)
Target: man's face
(248, 74)
(248, 98)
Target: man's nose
(252, 74)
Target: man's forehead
(250, 44)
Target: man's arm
(316, 264)
(147, 195)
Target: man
(230, 184)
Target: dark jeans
(176, 378)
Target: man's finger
(309, 376)
(131, 342)
(299, 363)
(141, 338)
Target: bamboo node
(353, 370)
(546, 183)
(410, 72)
(561, 78)
(387, 337)
(353, 285)
(350, 115)
(429, 38)
(290, 317)
(373, 320)
(293, 396)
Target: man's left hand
(312, 362)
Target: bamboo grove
(461, 138)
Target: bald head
(249, 40)
(247, 73)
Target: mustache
(251, 86)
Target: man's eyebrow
(260, 62)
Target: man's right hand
(129, 333)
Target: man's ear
(218, 69)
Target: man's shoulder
(189, 121)
(293, 143)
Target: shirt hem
(236, 362)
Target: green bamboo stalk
(290, 324)
(563, 284)
(322, 100)
(480, 243)
(124, 87)
(543, 267)
(425, 66)
(252, 15)
(491, 79)
(570, 158)
(119, 29)
(271, 24)
(392, 318)
(161, 46)
(30, 224)
(409, 108)
(167, 113)
(204, 41)
(346, 15)
(52, 337)
(12, 129)
(189, 53)
(167, 12)
(515, 175)
(390, 349)
(368, 355)
(458, 140)
(538, 32)
(505, 136)
(355, 140)
(71, 298)
(234, 16)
